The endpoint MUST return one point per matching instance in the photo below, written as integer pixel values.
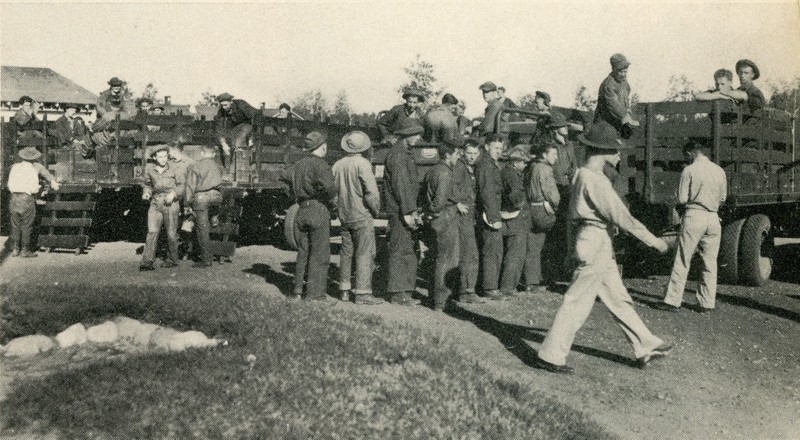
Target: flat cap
(25, 98)
(488, 86)
(116, 82)
(556, 120)
(70, 105)
(224, 97)
(156, 148)
(746, 62)
(449, 99)
(519, 152)
(619, 62)
(543, 95)
(314, 140)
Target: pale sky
(273, 52)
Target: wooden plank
(226, 229)
(681, 108)
(69, 206)
(64, 241)
(665, 184)
(67, 188)
(700, 128)
(66, 222)
(668, 154)
(222, 248)
(164, 120)
(747, 155)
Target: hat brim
(29, 153)
(408, 132)
(756, 71)
(619, 146)
(418, 95)
(349, 149)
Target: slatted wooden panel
(225, 234)
(68, 218)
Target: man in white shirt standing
(703, 187)
(23, 184)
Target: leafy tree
(311, 105)
(680, 89)
(584, 100)
(786, 95)
(208, 98)
(364, 119)
(421, 76)
(528, 101)
(341, 113)
(150, 91)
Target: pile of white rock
(122, 331)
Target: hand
(226, 149)
(462, 208)
(496, 225)
(146, 196)
(187, 211)
(55, 185)
(661, 247)
(410, 221)
(549, 209)
(390, 139)
(170, 197)
(628, 119)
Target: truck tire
(755, 251)
(290, 231)
(728, 260)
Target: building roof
(42, 84)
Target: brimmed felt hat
(518, 152)
(25, 98)
(604, 136)
(746, 62)
(314, 140)
(619, 62)
(224, 97)
(355, 142)
(409, 127)
(116, 82)
(557, 120)
(29, 153)
(543, 95)
(67, 105)
(414, 92)
(152, 150)
(487, 87)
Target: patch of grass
(319, 373)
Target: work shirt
(594, 202)
(439, 188)
(203, 175)
(67, 129)
(755, 99)
(165, 180)
(356, 189)
(464, 183)
(24, 120)
(542, 184)
(613, 101)
(311, 178)
(488, 176)
(488, 124)
(240, 112)
(567, 163)
(401, 181)
(24, 177)
(440, 125)
(703, 185)
(391, 120)
(109, 104)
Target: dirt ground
(733, 374)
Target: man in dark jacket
(464, 188)
(395, 118)
(517, 222)
(495, 104)
(111, 103)
(234, 124)
(613, 102)
(203, 180)
(401, 189)
(312, 183)
(25, 118)
(747, 95)
(441, 121)
(69, 129)
(488, 173)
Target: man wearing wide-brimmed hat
(516, 213)
(395, 118)
(401, 189)
(747, 93)
(234, 124)
(596, 209)
(311, 182)
(358, 203)
(613, 98)
(23, 184)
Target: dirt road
(733, 374)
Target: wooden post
(649, 144)
(715, 132)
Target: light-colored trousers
(597, 275)
(703, 229)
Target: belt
(537, 204)
(21, 193)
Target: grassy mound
(317, 374)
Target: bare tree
(311, 105)
(421, 75)
(785, 95)
(680, 89)
(341, 109)
(208, 98)
(150, 91)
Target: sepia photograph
(339, 219)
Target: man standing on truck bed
(703, 187)
(495, 104)
(747, 94)
(111, 103)
(234, 124)
(613, 102)
(395, 118)
(441, 121)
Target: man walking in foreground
(359, 202)
(703, 187)
(596, 208)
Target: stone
(73, 335)
(104, 333)
(190, 339)
(127, 328)
(161, 337)
(143, 333)
(26, 346)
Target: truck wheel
(728, 261)
(755, 251)
(290, 231)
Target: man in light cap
(394, 119)
(613, 99)
(516, 213)
(234, 124)
(401, 189)
(358, 202)
(441, 121)
(111, 103)
(163, 187)
(495, 105)
(596, 208)
(311, 182)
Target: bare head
(471, 151)
(494, 146)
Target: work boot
(536, 288)
(367, 299)
(144, 267)
(403, 299)
(28, 254)
(657, 353)
(471, 298)
(553, 368)
(168, 264)
(494, 295)
(15, 253)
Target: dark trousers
(402, 276)
(313, 249)
(515, 260)
(469, 261)
(158, 214)
(201, 204)
(491, 257)
(534, 258)
(237, 138)
(22, 207)
(446, 241)
(557, 245)
(358, 243)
